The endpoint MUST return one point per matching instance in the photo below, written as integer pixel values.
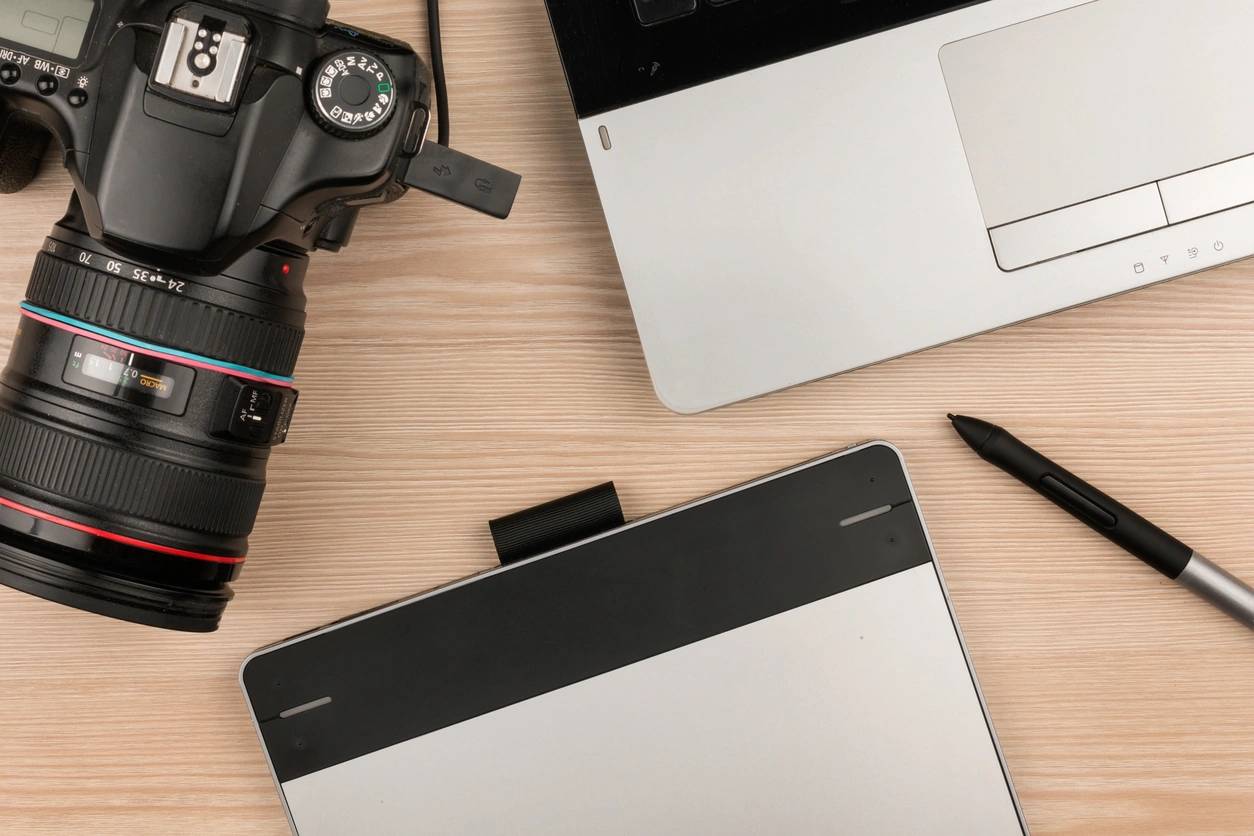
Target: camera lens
(137, 414)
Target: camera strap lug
(463, 179)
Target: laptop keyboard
(660, 11)
(652, 12)
(622, 52)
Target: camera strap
(555, 524)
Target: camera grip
(23, 143)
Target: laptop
(797, 188)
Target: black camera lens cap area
(309, 13)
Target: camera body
(195, 133)
(212, 146)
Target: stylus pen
(1108, 517)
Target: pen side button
(1077, 502)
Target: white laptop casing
(821, 213)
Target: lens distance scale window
(354, 94)
(126, 376)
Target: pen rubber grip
(1102, 513)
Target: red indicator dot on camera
(287, 269)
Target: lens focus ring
(117, 481)
(162, 317)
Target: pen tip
(952, 417)
(973, 431)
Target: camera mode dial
(354, 94)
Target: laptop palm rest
(1105, 121)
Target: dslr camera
(212, 146)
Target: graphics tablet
(778, 658)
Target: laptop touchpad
(1100, 105)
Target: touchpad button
(1100, 99)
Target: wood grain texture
(502, 368)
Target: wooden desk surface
(458, 369)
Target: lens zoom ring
(118, 481)
(162, 317)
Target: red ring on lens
(117, 538)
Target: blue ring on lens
(227, 368)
